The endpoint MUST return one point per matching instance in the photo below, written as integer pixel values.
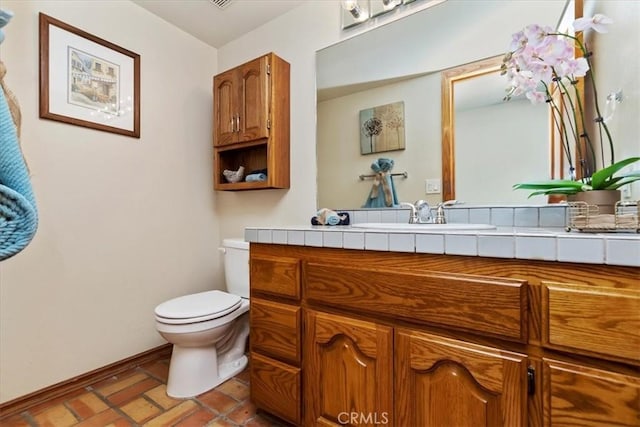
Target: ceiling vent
(221, 3)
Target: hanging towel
(383, 192)
(18, 214)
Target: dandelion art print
(382, 128)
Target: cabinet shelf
(251, 123)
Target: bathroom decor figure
(382, 128)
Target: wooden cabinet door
(578, 395)
(348, 371)
(444, 382)
(253, 100)
(225, 100)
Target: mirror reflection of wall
(338, 143)
(497, 143)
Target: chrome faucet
(420, 212)
(440, 219)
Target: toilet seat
(198, 307)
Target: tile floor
(137, 398)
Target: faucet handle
(413, 214)
(440, 218)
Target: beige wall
(339, 143)
(124, 223)
(616, 62)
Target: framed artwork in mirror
(87, 81)
(382, 128)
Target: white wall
(339, 143)
(295, 37)
(124, 223)
(616, 63)
(489, 138)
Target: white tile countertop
(537, 243)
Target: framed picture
(382, 128)
(87, 81)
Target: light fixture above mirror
(355, 12)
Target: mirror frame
(449, 77)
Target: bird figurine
(233, 176)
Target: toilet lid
(197, 307)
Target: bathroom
(127, 223)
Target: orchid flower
(597, 22)
(541, 65)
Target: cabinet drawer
(591, 320)
(276, 276)
(489, 305)
(582, 396)
(275, 387)
(275, 329)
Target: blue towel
(255, 177)
(18, 215)
(383, 192)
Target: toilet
(208, 330)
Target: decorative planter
(605, 200)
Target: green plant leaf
(558, 190)
(599, 178)
(623, 180)
(550, 184)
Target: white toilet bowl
(208, 330)
(207, 349)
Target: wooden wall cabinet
(251, 122)
(382, 338)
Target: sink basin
(417, 228)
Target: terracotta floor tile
(244, 376)
(198, 419)
(130, 393)
(138, 396)
(56, 416)
(221, 422)
(101, 419)
(87, 405)
(242, 413)
(120, 423)
(159, 395)
(14, 421)
(217, 401)
(118, 384)
(140, 410)
(235, 389)
(159, 369)
(53, 402)
(173, 415)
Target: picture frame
(87, 81)
(382, 128)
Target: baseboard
(27, 401)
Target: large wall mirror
(404, 62)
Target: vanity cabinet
(349, 370)
(251, 122)
(431, 340)
(275, 337)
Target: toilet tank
(236, 266)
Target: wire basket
(586, 218)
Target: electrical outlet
(626, 192)
(432, 186)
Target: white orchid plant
(541, 64)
